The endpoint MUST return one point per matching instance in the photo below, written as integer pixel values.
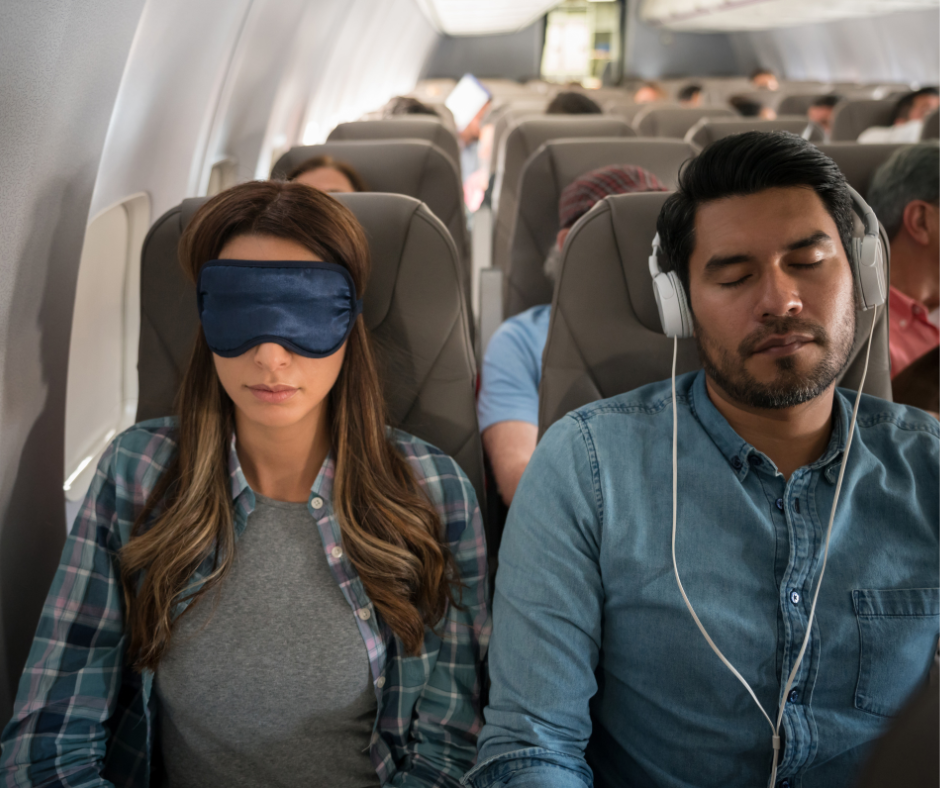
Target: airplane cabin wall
(107, 99)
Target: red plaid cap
(581, 195)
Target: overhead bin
(707, 130)
(553, 167)
(413, 305)
(605, 336)
(421, 127)
(415, 168)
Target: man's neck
(916, 278)
(791, 437)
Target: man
(508, 405)
(690, 95)
(570, 102)
(649, 92)
(820, 112)
(907, 119)
(905, 196)
(747, 107)
(764, 79)
(598, 670)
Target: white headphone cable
(775, 729)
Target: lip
(274, 394)
(783, 344)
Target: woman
(272, 588)
(328, 175)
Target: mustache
(778, 327)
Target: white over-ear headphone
(866, 256)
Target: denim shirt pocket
(898, 631)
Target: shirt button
(736, 463)
(754, 460)
(779, 503)
(316, 502)
(795, 597)
(794, 696)
(380, 682)
(337, 552)
(364, 613)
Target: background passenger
(649, 92)
(406, 105)
(820, 112)
(907, 120)
(749, 108)
(508, 405)
(328, 175)
(569, 102)
(765, 79)
(690, 96)
(274, 588)
(905, 196)
(599, 675)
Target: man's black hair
(688, 92)
(826, 101)
(744, 164)
(745, 106)
(571, 103)
(903, 108)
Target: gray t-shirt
(266, 681)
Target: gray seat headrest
(524, 139)
(415, 168)
(420, 127)
(707, 130)
(931, 126)
(858, 161)
(659, 121)
(852, 116)
(605, 337)
(413, 306)
(546, 174)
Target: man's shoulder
(649, 400)
(527, 327)
(147, 441)
(875, 413)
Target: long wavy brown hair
(390, 531)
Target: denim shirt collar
(742, 457)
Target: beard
(790, 386)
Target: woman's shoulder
(437, 472)
(141, 453)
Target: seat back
(413, 306)
(859, 161)
(852, 116)
(420, 127)
(659, 121)
(415, 168)
(605, 337)
(625, 108)
(797, 103)
(545, 175)
(931, 126)
(522, 140)
(707, 130)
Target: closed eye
(736, 282)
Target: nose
(271, 356)
(779, 295)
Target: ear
(916, 221)
(560, 238)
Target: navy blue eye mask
(309, 308)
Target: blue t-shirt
(512, 369)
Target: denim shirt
(598, 671)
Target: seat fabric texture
(546, 174)
(413, 307)
(858, 161)
(605, 336)
(420, 127)
(707, 130)
(674, 122)
(852, 116)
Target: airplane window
(101, 398)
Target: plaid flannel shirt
(84, 718)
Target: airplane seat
(415, 168)
(413, 306)
(522, 140)
(420, 127)
(852, 116)
(707, 130)
(931, 126)
(623, 108)
(554, 166)
(859, 161)
(656, 120)
(505, 116)
(798, 103)
(605, 337)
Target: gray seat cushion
(659, 121)
(413, 306)
(707, 130)
(852, 116)
(858, 161)
(553, 167)
(605, 337)
(420, 127)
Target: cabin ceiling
(483, 17)
(729, 15)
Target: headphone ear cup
(868, 262)
(674, 313)
(685, 312)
